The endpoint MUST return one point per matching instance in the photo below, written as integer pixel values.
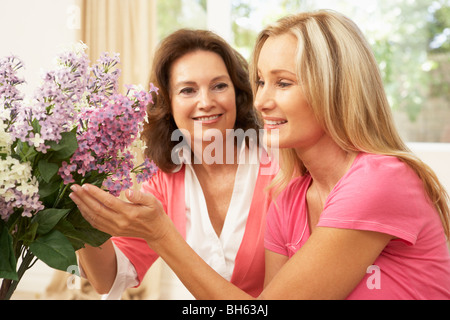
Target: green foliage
(54, 234)
(55, 250)
(7, 258)
(439, 27)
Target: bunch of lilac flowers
(74, 96)
(36, 123)
(76, 128)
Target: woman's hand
(143, 217)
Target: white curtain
(127, 27)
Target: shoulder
(286, 217)
(379, 193)
(368, 163)
(161, 179)
(163, 185)
(375, 165)
(296, 189)
(289, 202)
(380, 176)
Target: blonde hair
(344, 88)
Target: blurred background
(410, 39)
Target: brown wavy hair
(158, 131)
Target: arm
(274, 262)
(109, 267)
(100, 265)
(145, 218)
(328, 266)
(200, 279)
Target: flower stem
(60, 195)
(9, 286)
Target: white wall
(437, 156)
(219, 18)
(36, 31)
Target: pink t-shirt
(382, 194)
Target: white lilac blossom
(5, 138)
(18, 188)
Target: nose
(264, 100)
(205, 100)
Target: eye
(284, 84)
(259, 83)
(187, 91)
(220, 86)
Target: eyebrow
(183, 83)
(278, 71)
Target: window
(175, 14)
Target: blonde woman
(357, 215)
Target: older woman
(214, 196)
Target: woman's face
(280, 97)
(202, 94)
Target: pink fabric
(249, 268)
(382, 194)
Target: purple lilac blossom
(105, 135)
(54, 101)
(10, 96)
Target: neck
(214, 158)
(326, 162)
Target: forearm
(99, 265)
(144, 217)
(198, 277)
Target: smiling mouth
(275, 122)
(209, 118)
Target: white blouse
(219, 252)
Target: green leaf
(29, 233)
(66, 147)
(79, 231)
(8, 262)
(47, 169)
(46, 189)
(25, 151)
(48, 218)
(55, 250)
(36, 126)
